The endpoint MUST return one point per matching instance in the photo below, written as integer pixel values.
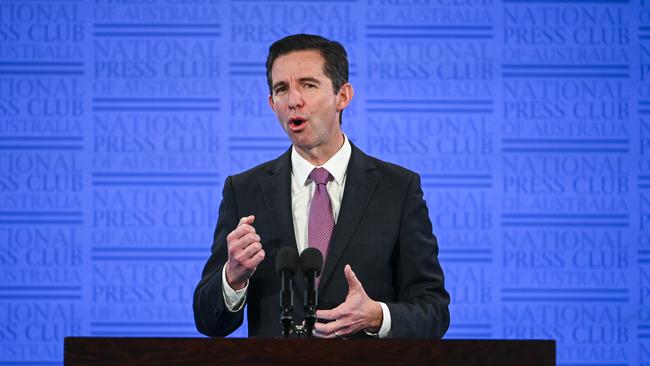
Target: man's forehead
(304, 61)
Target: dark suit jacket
(383, 231)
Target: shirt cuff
(234, 299)
(385, 324)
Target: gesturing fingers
(340, 327)
(245, 252)
(250, 251)
(356, 313)
(343, 321)
(246, 240)
(239, 232)
(245, 248)
(327, 330)
(328, 314)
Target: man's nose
(295, 98)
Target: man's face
(303, 98)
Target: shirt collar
(337, 165)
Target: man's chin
(302, 144)
(298, 138)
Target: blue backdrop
(529, 121)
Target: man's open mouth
(296, 121)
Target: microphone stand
(286, 314)
(311, 302)
(286, 263)
(311, 262)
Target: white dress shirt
(302, 191)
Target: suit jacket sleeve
(211, 315)
(421, 309)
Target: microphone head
(287, 260)
(311, 259)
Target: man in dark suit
(381, 275)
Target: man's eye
(280, 89)
(310, 85)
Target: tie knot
(320, 175)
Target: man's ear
(271, 104)
(344, 96)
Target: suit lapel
(359, 187)
(276, 190)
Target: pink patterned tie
(321, 219)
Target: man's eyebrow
(309, 79)
(279, 83)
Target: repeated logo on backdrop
(641, 148)
(157, 89)
(430, 94)
(566, 179)
(528, 121)
(42, 134)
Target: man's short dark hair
(336, 59)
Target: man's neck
(321, 154)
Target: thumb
(351, 277)
(246, 220)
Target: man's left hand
(357, 313)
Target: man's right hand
(245, 253)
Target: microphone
(311, 262)
(286, 264)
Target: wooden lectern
(277, 351)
